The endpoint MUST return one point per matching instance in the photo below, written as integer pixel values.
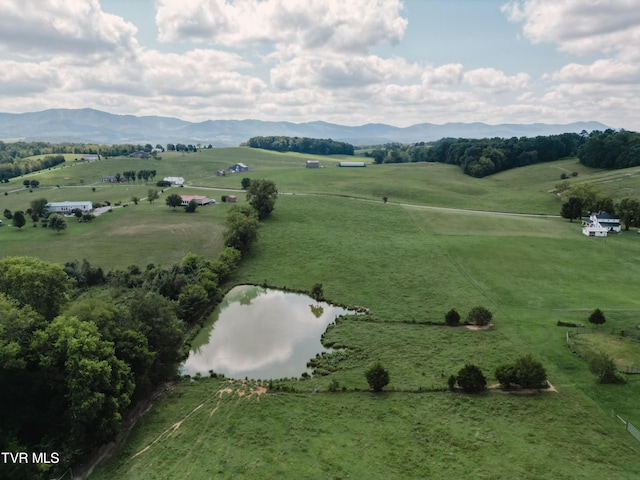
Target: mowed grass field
(408, 265)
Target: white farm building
(66, 208)
(600, 224)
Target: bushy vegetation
(611, 149)
(525, 372)
(604, 367)
(377, 377)
(471, 379)
(480, 316)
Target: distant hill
(94, 126)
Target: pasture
(409, 263)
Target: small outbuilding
(90, 156)
(231, 199)
(238, 167)
(313, 164)
(352, 164)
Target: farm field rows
(408, 265)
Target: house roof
(606, 216)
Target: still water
(261, 333)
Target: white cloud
(494, 80)
(312, 24)
(446, 75)
(50, 27)
(578, 26)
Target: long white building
(66, 208)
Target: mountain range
(94, 126)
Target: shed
(90, 156)
(352, 164)
(238, 167)
(231, 199)
(313, 164)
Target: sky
(351, 62)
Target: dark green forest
(312, 146)
(482, 157)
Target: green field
(408, 263)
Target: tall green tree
(152, 195)
(57, 222)
(242, 227)
(18, 219)
(262, 195)
(597, 317)
(96, 386)
(39, 206)
(629, 212)
(572, 208)
(173, 200)
(42, 285)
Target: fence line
(584, 353)
(628, 425)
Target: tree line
(482, 157)
(611, 149)
(14, 168)
(315, 146)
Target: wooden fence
(584, 353)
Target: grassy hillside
(409, 265)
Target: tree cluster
(11, 167)
(479, 315)
(611, 149)
(70, 369)
(482, 157)
(180, 147)
(315, 146)
(525, 372)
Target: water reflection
(261, 333)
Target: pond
(261, 333)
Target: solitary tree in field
(246, 181)
(152, 195)
(597, 317)
(262, 195)
(452, 318)
(479, 316)
(377, 377)
(174, 200)
(18, 219)
(471, 379)
(57, 222)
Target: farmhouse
(600, 224)
(67, 207)
(238, 167)
(200, 200)
(313, 164)
(352, 164)
(174, 180)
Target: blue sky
(350, 62)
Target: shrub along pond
(261, 333)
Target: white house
(66, 208)
(174, 180)
(600, 224)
